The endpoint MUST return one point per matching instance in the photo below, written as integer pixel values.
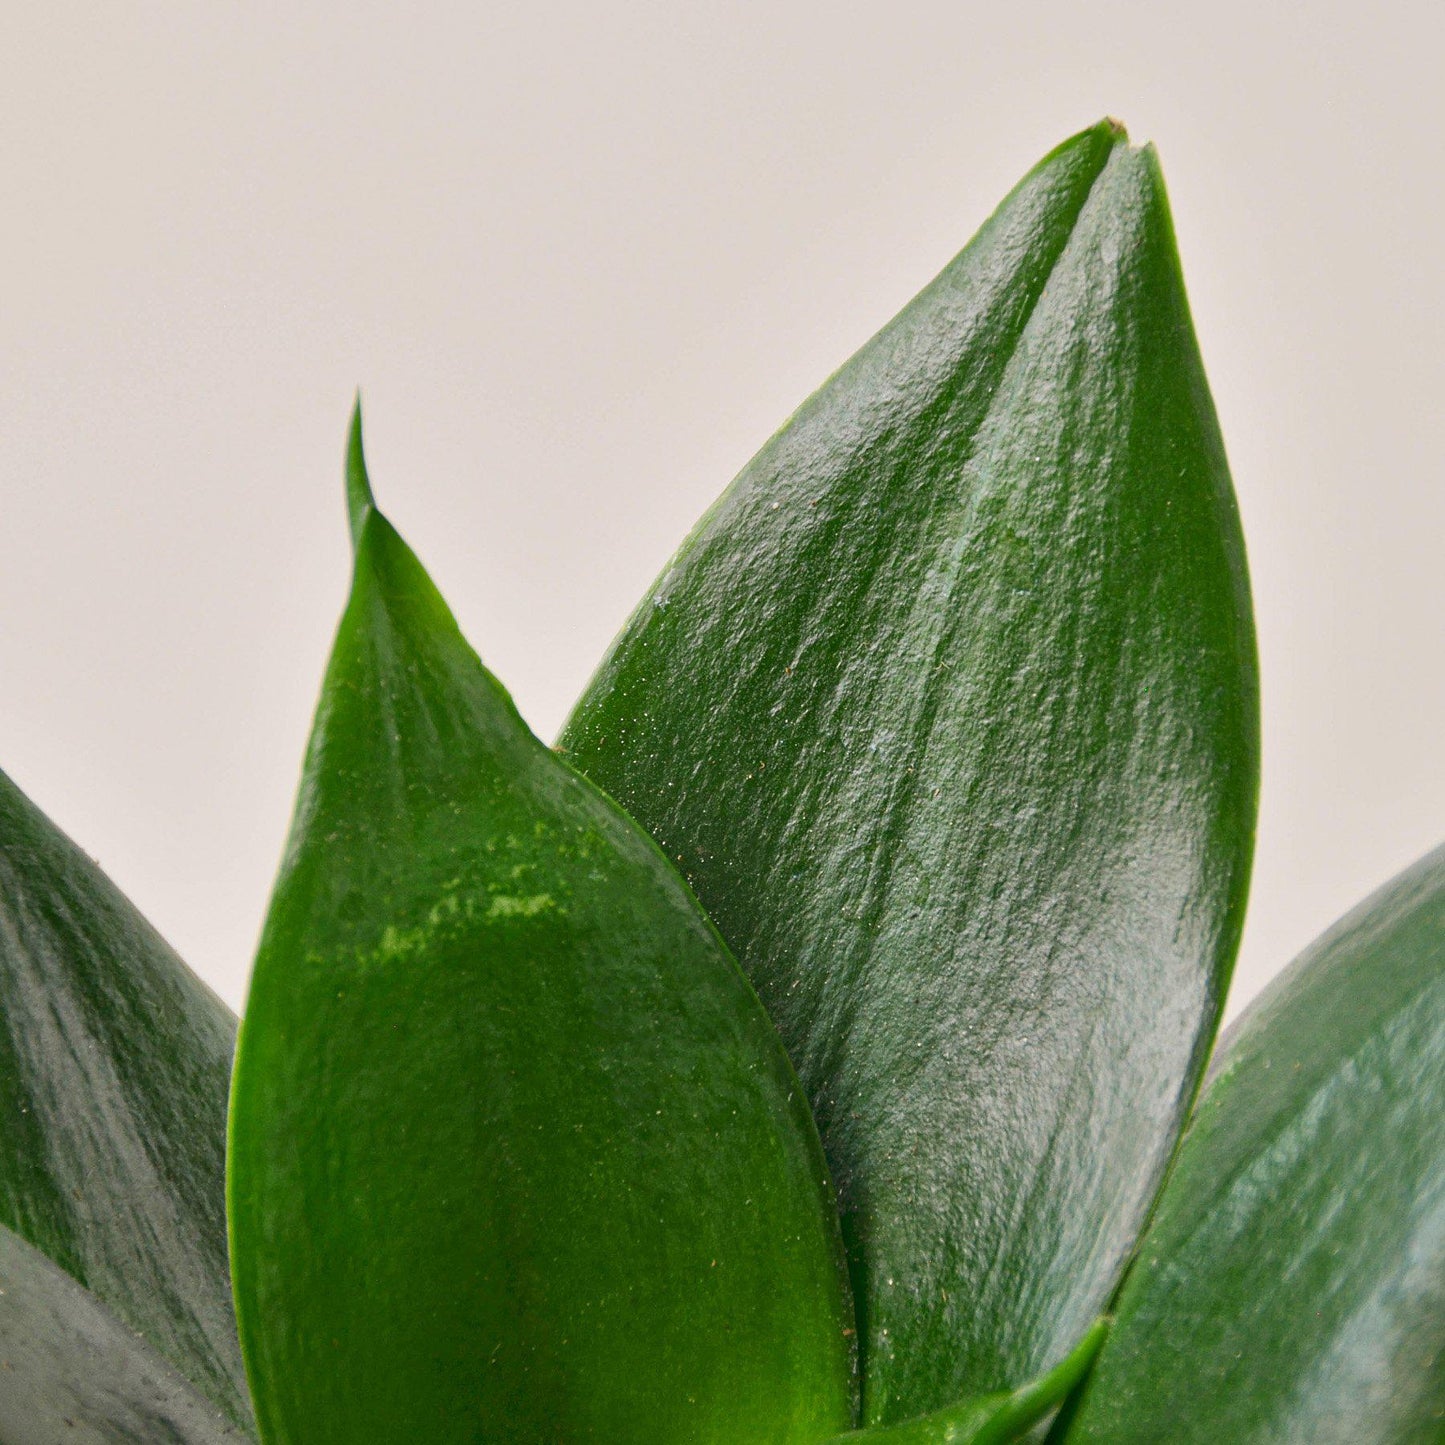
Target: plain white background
(583, 259)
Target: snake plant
(817, 1042)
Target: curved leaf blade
(70, 1370)
(114, 1069)
(948, 712)
(515, 1151)
(1291, 1286)
(995, 1419)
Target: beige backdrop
(583, 259)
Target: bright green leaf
(71, 1371)
(515, 1152)
(993, 1419)
(947, 710)
(114, 1062)
(1291, 1287)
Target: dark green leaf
(947, 711)
(71, 1371)
(1291, 1286)
(114, 1062)
(993, 1419)
(516, 1154)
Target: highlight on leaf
(114, 1068)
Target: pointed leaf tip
(359, 501)
(981, 612)
(523, 1215)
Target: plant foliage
(927, 769)
(972, 795)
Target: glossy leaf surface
(996, 1419)
(114, 1067)
(1291, 1287)
(71, 1371)
(516, 1153)
(947, 710)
